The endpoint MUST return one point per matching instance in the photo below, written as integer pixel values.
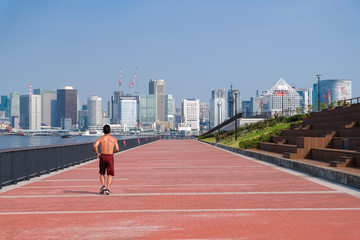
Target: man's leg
(102, 179)
(109, 181)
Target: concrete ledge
(331, 174)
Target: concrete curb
(331, 174)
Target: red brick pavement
(180, 189)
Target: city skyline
(146, 110)
(195, 46)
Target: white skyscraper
(94, 111)
(217, 107)
(128, 108)
(35, 112)
(191, 113)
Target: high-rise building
(157, 87)
(35, 112)
(191, 113)
(114, 112)
(147, 109)
(66, 105)
(94, 110)
(234, 101)
(246, 109)
(24, 111)
(281, 98)
(30, 112)
(108, 110)
(169, 104)
(83, 118)
(170, 110)
(14, 108)
(128, 108)
(204, 116)
(217, 107)
(305, 98)
(4, 106)
(48, 106)
(332, 90)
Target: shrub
(255, 142)
(295, 118)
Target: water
(8, 142)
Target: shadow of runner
(85, 192)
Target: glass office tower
(66, 105)
(128, 107)
(332, 90)
(147, 109)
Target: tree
(340, 103)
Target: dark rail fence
(176, 137)
(23, 164)
(351, 101)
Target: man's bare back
(108, 145)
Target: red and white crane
(131, 84)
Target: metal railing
(177, 137)
(23, 164)
(218, 127)
(351, 100)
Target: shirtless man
(108, 146)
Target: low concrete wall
(317, 171)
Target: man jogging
(108, 146)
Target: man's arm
(95, 147)
(116, 146)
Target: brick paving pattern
(180, 189)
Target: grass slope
(251, 136)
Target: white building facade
(305, 98)
(281, 98)
(35, 112)
(128, 107)
(191, 113)
(94, 111)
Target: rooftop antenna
(30, 89)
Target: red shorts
(106, 162)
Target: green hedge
(255, 142)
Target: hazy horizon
(195, 46)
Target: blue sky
(194, 45)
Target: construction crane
(120, 77)
(131, 84)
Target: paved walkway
(180, 189)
